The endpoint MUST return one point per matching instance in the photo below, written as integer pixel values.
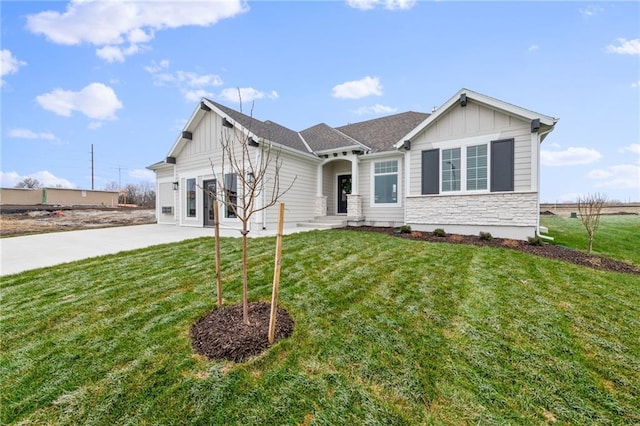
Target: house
(472, 165)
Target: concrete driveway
(20, 254)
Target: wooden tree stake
(216, 227)
(276, 276)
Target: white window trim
(463, 144)
(399, 181)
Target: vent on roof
(434, 109)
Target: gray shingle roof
(321, 137)
(265, 129)
(382, 133)
(378, 134)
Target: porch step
(325, 222)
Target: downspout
(538, 233)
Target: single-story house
(471, 165)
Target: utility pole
(92, 167)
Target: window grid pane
(386, 167)
(476, 167)
(451, 169)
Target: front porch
(338, 189)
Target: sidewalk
(20, 254)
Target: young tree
(589, 209)
(250, 173)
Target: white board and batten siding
(165, 196)
(504, 214)
(201, 158)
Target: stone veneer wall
(491, 211)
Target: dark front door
(344, 188)
(209, 192)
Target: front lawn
(387, 331)
(618, 237)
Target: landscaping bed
(547, 250)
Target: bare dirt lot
(40, 220)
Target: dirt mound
(222, 335)
(51, 220)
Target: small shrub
(486, 236)
(405, 229)
(535, 241)
(439, 232)
(416, 234)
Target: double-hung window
(464, 169)
(477, 168)
(385, 175)
(451, 171)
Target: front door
(209, 193)
(344, 188)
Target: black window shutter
(502, 159)
(431, 171)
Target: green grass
(618, 237)
(388, 331)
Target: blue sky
(125, 77)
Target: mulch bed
(222, 335)
(545, 250)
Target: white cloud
(9, 64)
(358, 88)
(46, 178)
(635, 84)
(30, 134)
(590, 11)
(246, 94)
(193, 86)
(634, 148)
(96, 101)
(196, 95)
(112, 24)
(143, 174)
(625, 47)
(116, 53)
(387, 4)
(625, 176)
(157, 67)
(533, 48)
(375, 109)
(569, 157)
